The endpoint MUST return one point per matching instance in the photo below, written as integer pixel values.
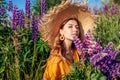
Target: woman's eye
(69, 26)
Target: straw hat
(50, 22)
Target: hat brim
(50, 22)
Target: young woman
(58, 28)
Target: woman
(59, 27)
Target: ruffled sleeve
(52, 71)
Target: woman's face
(70, 30)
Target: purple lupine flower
(97, 57)
(98, 40)
(108, 47)
(34, 29)
(114, 70)
(21, 18)
(103, 63)
(2, 9)
(10, 6)
(14, 17)
(43, 7)
(113, 54)
(105, 8)
(90, 44)
(27, 8)
(104, 58)
(107, 51)
(113, 9)
(78, 44)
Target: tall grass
(108, 28)
(23, 59)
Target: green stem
(33, 61)
(17, 67)
(17, 71)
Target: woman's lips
(75, 34)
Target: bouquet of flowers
(102, 58)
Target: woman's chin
(72, 38)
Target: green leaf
(2, 69)
(1, 28)
(1, 37)
(93, 76)
(72, 68)
(103, 78)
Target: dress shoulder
(52, 67)
(54, 57)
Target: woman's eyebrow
(73, 24)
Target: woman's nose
(75, 29)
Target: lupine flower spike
(34, 29)
(21, 18)
(2, 9)
(10, 6)
(43, 7)
(27, 8)
(15, 18)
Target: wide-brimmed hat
(51, 22)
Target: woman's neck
(67, 44)
(68, 50)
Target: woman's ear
(61, 31)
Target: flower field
(23, 53)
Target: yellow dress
(57, 66)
